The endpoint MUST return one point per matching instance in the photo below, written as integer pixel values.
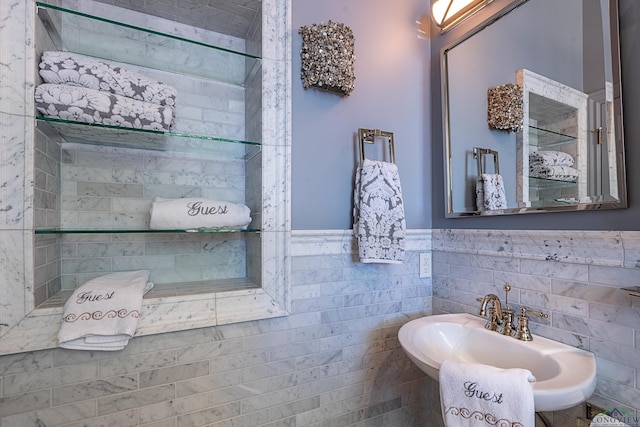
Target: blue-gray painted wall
(391, 93)
(398, 89)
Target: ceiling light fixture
(447, 13)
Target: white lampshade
(446, 13)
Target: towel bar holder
(369, 135)
(479, 153)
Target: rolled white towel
(197, 213)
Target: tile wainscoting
(573, 276)
(335, 361)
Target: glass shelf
(540, 137)
(85, 34)
(549, 183)
(165, 290)
(143, 231)
(144, 139)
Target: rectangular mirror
(533, 111)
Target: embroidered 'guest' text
(471, 390)
(196, 208)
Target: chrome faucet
(502, 320)
(495, 312)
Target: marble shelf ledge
(39, 330)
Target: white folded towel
(197, 213)
(378, 214)
(103, 313)
(474, 394)
(604, 420)
(490, 194)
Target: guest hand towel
(103, 313)
(379, 222)
(195, 213)
(477, 395)
(490, 194)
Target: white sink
(565, 375)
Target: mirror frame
(620, 203)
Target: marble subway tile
(173, 373)
(31, 381)
(622, 316)
(127, 418)
(290, 409)
(160, 358)
(93, 389)
(593, 328)
(25, 402)
(172, 408)
(547, 302)
(208, 383)
(590, 292)
(134, 399)
(209, 415)
(56, 416)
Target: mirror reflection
(533, 111)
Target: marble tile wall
(335, 361)
(573, 276)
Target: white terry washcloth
(490, 194)
(103, 313)
(195, 213)
(477, 395)
(379, 222)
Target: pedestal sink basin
(565, 375)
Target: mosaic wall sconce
(505, 107)
(328, 57)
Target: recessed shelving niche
(94, 184)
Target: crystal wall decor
(505, 107)
(328, 57)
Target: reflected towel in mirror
(490, 194)
(550, 158)
(557, 173)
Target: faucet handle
(525, 310)
(507, 288)
(523, 333)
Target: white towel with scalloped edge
(477, 395)
(103, 313)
